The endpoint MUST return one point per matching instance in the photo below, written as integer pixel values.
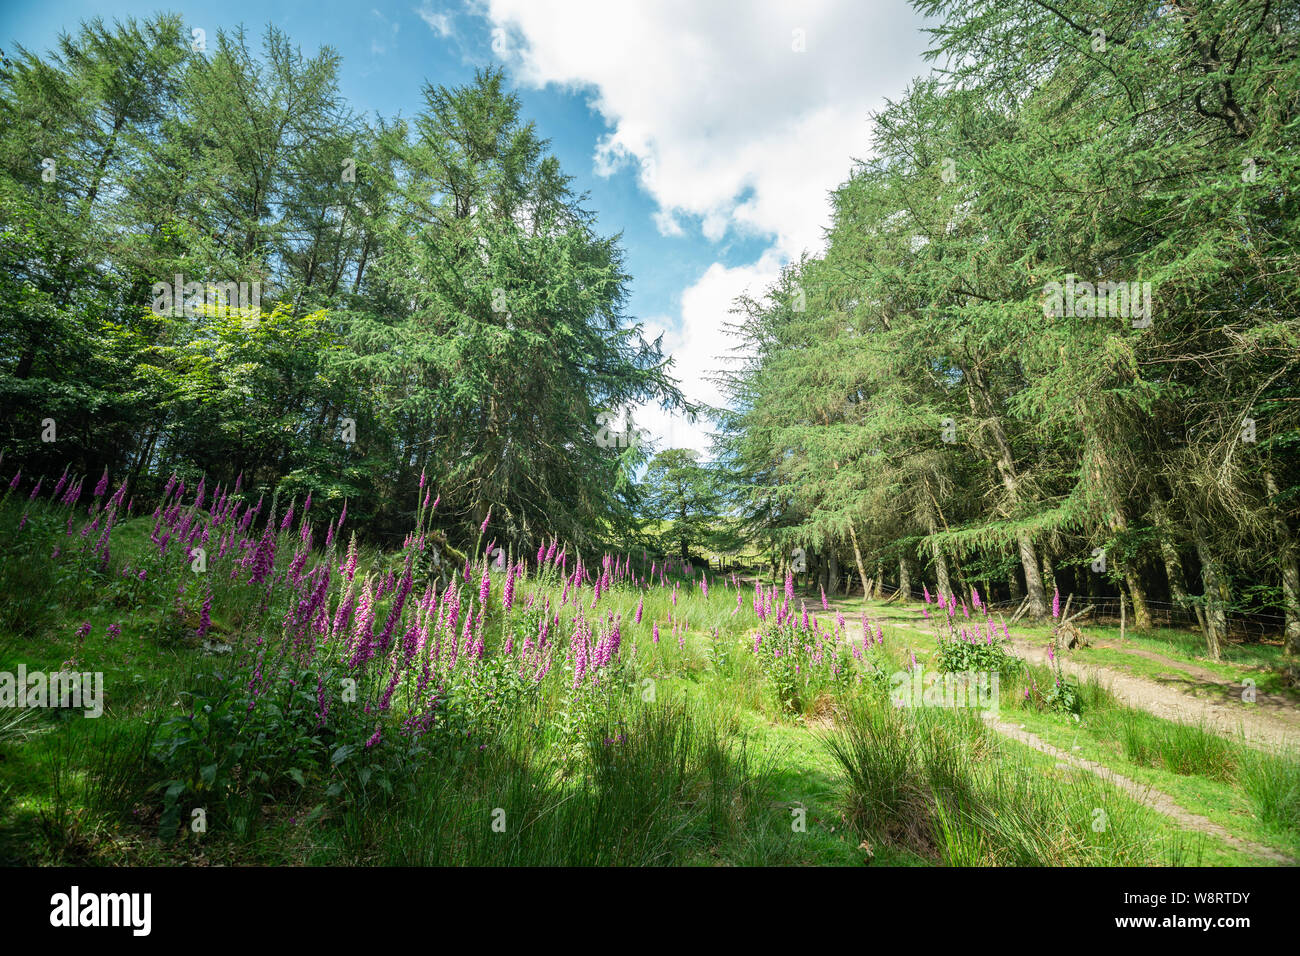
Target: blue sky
(707, 133)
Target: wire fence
(1242, 625)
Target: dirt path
(1159, 801)
(1226, 714)
(1275, 723)
(1271, 721)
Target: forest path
(1272, 721)
(1217, 704)
(1226, 714)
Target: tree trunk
(1172, 561)
(1006, 466)
(1216, 620)
(1034, 583)
(1049, 573)
(1174, 572)
(834, 579)
(1138, 598)
(146, 452)
(1103, 470)
(1289, 565)
(857, 557)
(936, 553)
(1141, 614)
(940, 570)
(904, 578)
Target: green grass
(1132, 743)
(687, 756)
(943, 783)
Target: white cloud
(668, 224)
(701, 345)
(714, 95)
(439, 23)
(733, 130)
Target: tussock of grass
(1272, 781)
(935, 781)
(667, 788)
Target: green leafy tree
(680, 494)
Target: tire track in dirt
(1158, 800)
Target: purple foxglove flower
(362, 622)
(205, 617)
(263, 558)
(508, 591)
